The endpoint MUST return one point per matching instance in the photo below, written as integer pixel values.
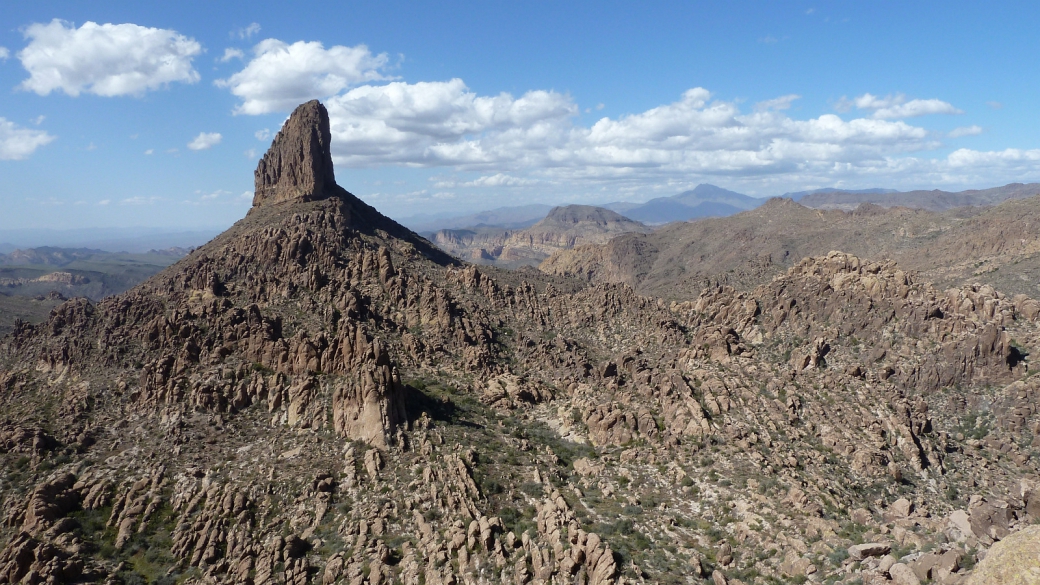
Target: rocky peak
(575, 214)
(298, 166)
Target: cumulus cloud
(105, 59)
(445, 124)
(537, 138)
(965, 131)
(442, 123)
(280, 76)
(4, 53)
(17, 143)
(205, 140)
(262, 135)
(896, 106)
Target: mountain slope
(998, 245)
(320, 395)
(934, 200)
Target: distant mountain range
(136, 240)
(703, 201)
(517, 217)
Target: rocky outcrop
(562, 229)
(1012, 561)
(298, 166)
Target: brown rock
(859, 552)
(902, 508)
(903, 575)
(989, 521)
(298, 166)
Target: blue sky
(128, 114)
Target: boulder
(990, 522)
(902, 508)
(858, 552)
(903, 575)
(1014, 560)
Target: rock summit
(298, 166)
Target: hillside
(321, 395)
(563, 228)
(934, 200)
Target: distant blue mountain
(703, 201)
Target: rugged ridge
(319, 395)
(563, 228)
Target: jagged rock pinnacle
(298, 166)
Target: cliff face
(298, 166)
(320, 395)
(562, 229)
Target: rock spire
(298, 166)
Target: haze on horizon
(135, 115)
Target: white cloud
(246, 32)
(4, 53)
(39, 119)
(895, 106)
(965, 131)
(915, 108)
(230, 54)
(444, 124)
(149, 152)
(17, 143)
(496, 180)
(281, 76)
(995, 105)
(140, 200)
(538, 139)
(205, 140)
(781, 103)
(105, 59)
(104, 202)
(262, 135)
(251, 153)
